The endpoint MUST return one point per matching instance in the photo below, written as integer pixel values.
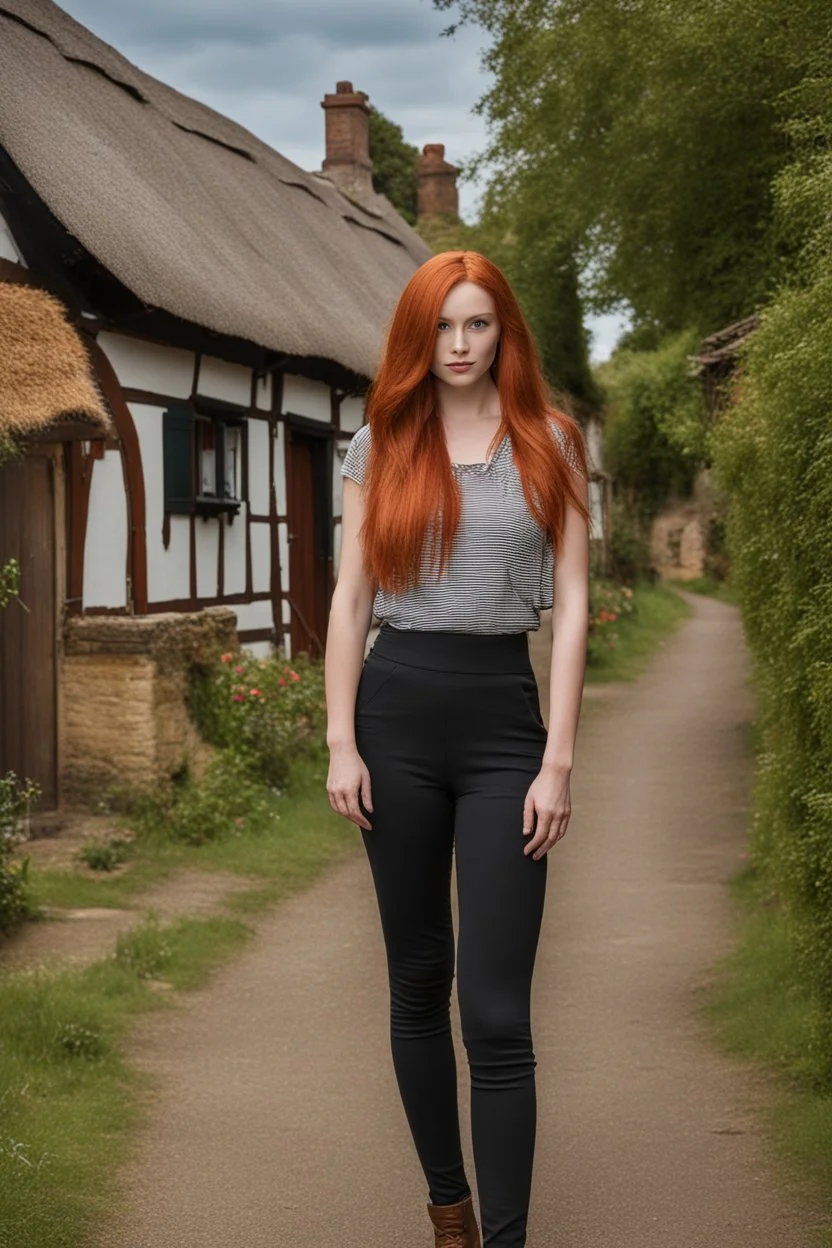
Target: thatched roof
(723, 346)
(44, 370)
(189, 210)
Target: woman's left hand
(549, 799)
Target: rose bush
(609, 604)
(264, 710)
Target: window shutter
(178, 443)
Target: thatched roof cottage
(216, 314)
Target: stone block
(124, 721)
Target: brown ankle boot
(455, 1226)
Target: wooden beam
(79, 482)
(67, 431)
(17, 274)
(133, 473)
(276, 583)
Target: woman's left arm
(548, 803)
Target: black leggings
(450, 729)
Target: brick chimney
(347, 161)
(437, 183)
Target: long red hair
(409, 485)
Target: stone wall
(677, 543)
(123, 683)
(679, 534)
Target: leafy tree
(656, 128)
(394, 165)
(545, 278)
(655, 430)
(521, 234)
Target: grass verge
(757, 1008)
(69, 1101)
(285, 847)
(658, 612)
(722, 590)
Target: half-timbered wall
(105, 554)
(242, 561)
(352, 417)
(8, 247)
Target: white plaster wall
(336, 549)
(168, 571)
(339, 451)
(258, 466)
(220, 380)
(207, 533)
(280, 468)
(352, 414)
(261, 558)
(8, 247)
(286, 612)
(105, 552)
(253, 615)
(595, 443)
(147, 366)
(234, 554)
(260, 649)
(283, 552)
(303, 397)
(263, 394)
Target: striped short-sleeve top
(501, 569)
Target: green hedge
(773, 455)
(654, 435)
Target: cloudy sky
(268, 63)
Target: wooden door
(28, 632)
(309, 504)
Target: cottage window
(206, 457)
(203, 460)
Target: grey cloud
(268, 63)
(333, 23)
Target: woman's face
(467, 334)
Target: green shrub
(655, 431)
(224, 799)
(145, 950)
(629, 546)
(265, 710)
(15, 799)
(104, 853)
(227, 798)
(609, 604)
(9, 582)
(79, 1041)
(773, 456)
(716, 564)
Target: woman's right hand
(348, 776)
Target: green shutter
(178, 444)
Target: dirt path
(76, 937)
(277, 1121)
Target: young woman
(458, 493)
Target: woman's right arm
(350, 616)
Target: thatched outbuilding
(718, 356)
(46, 384)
